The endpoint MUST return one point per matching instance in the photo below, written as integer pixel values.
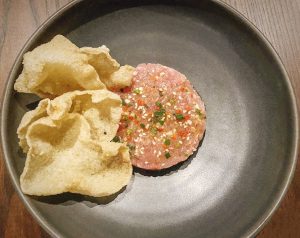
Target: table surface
(277, 19)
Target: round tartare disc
(163, 117)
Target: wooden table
(279, 20)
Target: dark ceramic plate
(236, 179)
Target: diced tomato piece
(188, 107)
(122, 125)
(183, 133)
(187, 117)
(126, 89)
(140, 102)
(182, 89)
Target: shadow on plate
(67, 199)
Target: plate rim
(255, 228)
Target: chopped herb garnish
(142, 125)
(131, 147)
(167, 142)
(124, 118)
(123, 102)
(153, 130)
(200, 114)
(129, 131)
(158, 104)
(179, 116)
(167, 155)
(172, 101)
(137, 91)
(161, 122)
(159, 113)
(116, 139)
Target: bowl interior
(230, 185)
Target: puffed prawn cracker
(28, 118)
(101, 109)
(62, 157)
(59, 66)
(120, 78)
(101, 60)
(56, 67)
(108, 69)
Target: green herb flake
(159, 113)
(129, 131)
(167, 155)
(116, 139)
(123, 102)
(131, 147)
(167, 142)
(172, 101)
(161, 122)
(124, 118)
(142, 125)
(137, 91)
(200, 114)
(179, 116)
(159, 104)
(153, 130)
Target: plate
(231, 186)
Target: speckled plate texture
(235, 180)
